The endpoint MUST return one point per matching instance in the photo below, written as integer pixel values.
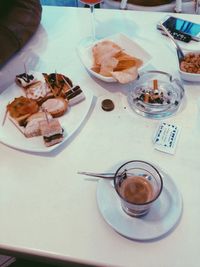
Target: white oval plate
(129, 46)
(70, 122)
(161, 219)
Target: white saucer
(161, 219)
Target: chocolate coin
(107, 105)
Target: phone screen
(188, 27)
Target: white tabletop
(46, 208)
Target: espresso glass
(138, 184)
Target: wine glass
(91, 4)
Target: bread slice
(26, 79)
(21, 108)
(51, 131)
(33, 124)
(20, 121)
(31, 128)
(38, 91)
(55, 106)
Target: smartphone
(181, 29)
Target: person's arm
(18, 25)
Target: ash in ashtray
(153, 95)
(148, 96)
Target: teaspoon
(179, 51)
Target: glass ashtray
(156, 94)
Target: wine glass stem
(93, 22)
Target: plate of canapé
(41, 111)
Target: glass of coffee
(138, 184)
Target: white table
(46, 208)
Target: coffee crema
(136, 189)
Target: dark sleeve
(18, 25)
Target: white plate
(161, 219)
(70, 122)
(129, 46)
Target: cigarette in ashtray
(155, 84)
(25, 70)
(146, 97)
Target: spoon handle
(107, 175)
(179, 51)
(100, 175)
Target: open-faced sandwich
(32, 127)
(25, 115)
(42, 86)
(34, 86)
(56, 106)
(21, 108)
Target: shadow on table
(22, 260)
(29, 263)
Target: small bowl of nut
(190, 67)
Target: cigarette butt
(155, 84)
(146, 98)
